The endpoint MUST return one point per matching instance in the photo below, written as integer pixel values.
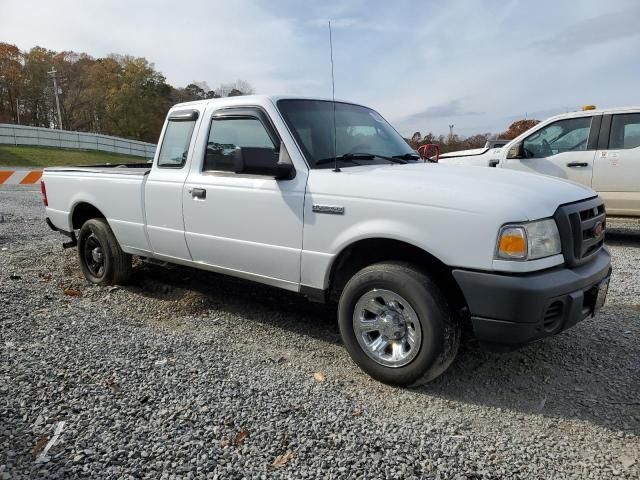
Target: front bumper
(518, 309)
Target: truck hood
(466, 153)
(516, 196)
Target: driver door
(240, 224)
(565, 149)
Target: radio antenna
(333, 95)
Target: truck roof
(597, 111)
(259, 99)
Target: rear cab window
(177, 138)
(625, 131)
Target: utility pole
(52, 74)
(18, 109)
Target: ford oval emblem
(597, 230)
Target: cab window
(227, 136)
(568, 135)
(175, 144)
(625, 131)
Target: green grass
(11, 156)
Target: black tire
(115, 267)
(440, 330)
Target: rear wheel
(397, 325)
(102, 261)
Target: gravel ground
(186, 374)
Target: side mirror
(262, 161)
(516, 151)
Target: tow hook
(71, 243)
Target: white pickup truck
(487, 156)
(329, 201)
(597, 148)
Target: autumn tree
(195, 91)
(75, 88)
(475, 141)
(104, 80)
(415, 139)
(11, 80)
(37, 96)
(116, 95)
(518, 127)
(239, 87)
(138, 105)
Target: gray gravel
(185, 374)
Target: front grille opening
(590, 297)
(581, 226)
(593, 249)
(553, 317)
(591, 212)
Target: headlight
(529, 241)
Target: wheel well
(83, 212)
(366, 252)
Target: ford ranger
(327, 199)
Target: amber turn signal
(513, 243)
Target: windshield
(359, 130)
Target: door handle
(200, 193)
(577, 164)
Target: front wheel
(397, 325)
(102, 261)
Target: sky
(424, 65)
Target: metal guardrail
(23, 135)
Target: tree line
(116, 95)
(127, 97)
(454, 142)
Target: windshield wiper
(341, 158)
(371, 156)
(408, 156)
(348, 157)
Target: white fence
(22, 135)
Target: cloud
(345, 22)
(592, 32)
(420, 64)
(542, 114)
(449, 109)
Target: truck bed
(111, 168)
(115, 190)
